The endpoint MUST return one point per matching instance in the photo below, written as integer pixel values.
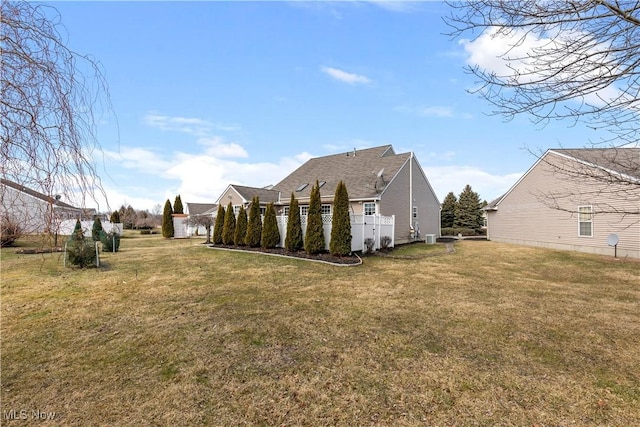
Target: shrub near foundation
(314, 236)
(229, 226)
(270, 233)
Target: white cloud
(215, 146)
(139, 159)
(189, 125)
(516, 58)
(345, 77)
(438, 111)
(396, 5)
(444, 179)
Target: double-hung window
(585, 221)
(304, 210)
(369, 208)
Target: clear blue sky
(212, 93)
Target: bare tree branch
(49, 100)
(576, 60)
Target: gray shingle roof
(358, 169)
(199, 208)
(264, 194)
(622, 160)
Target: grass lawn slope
(170, 332)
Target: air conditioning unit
(430, 239)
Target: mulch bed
(324, 256)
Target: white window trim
(590, 221)
(368, 204)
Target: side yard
(169, 332)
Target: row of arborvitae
(250, 231)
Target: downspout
(411, 196)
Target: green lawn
(169, 332)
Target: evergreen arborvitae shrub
(241, 227)
(177, 205)
(254, 226)
(167, 221)
(314, 236)
(229, 226)
(340, 243)
(96, 229)
(293, 240)
(270, 233)
(81, 251)
(218, 226)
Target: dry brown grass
(172, 333)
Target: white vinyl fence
(362, 227)
(67, 226)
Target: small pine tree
(177, 205)
(448, 213)
(115, 217)
(254, 226)
(293, 241)
(314, 236)
(81, 252)
(218, 226)
(241, 227)
(96, 229)
(270, 233)
(167, 221)
(340, 243)
(229, 226)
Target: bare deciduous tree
(49, 100)
(206, 221)
(566, 60)
(577, 60)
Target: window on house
(236, 210)
(585, 221)
(325, 209)
(286, 211)
(415, 212)
(321, 183)
(304, 210)
(263, 211)
(369, 208)
(302, 187)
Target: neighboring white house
(573, 199)
(36, 212)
